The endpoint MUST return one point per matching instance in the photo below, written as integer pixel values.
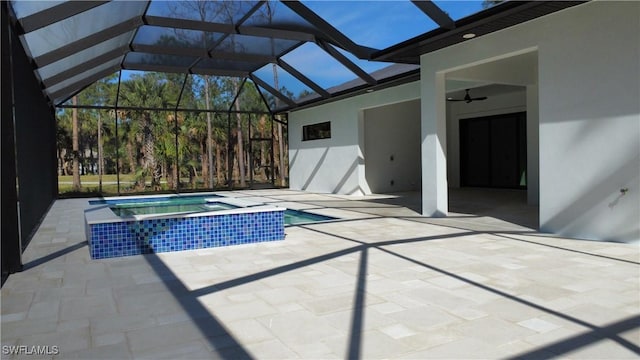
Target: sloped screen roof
(75, 43)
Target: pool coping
(101, 213)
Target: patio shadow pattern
(379, 283)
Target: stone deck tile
(472, 287)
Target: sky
(373, 23)
(380, 24)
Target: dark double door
(493, 151)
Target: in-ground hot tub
(118, 227)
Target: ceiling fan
(467, 98)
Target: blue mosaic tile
(177, 234)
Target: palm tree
(100, 93)
(217, 11)
(147, 91)
(207, 102)
(170, 151)
(193, 136)
(100, 153)
(241, 170)
(75, 151)
(269, 13)
(63, 140)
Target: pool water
(296, 217)
(192, 204)
(160, 208)
(291, 217)
(168, 200)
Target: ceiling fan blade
(467, 98)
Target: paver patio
(382, 282)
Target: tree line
(169, 149)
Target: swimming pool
(124, 207)
(159, 208)
(298, 217)
(156, 199)
(142, 225)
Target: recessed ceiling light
(369, 90)
(469, 36)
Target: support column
(434, 144)
(362, 179)
(11, 247)
(533, 146)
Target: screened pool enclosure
(116, 97)
(187, 95)
(175, 96)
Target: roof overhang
(499, 17)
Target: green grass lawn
(95, 178)
(90, 186)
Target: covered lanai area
(193, 95)
(357, 115)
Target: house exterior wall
(392, 147)
(336, 165)
(589, 116)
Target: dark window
(316, 131)
(493, 151)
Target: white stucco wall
(336, 165)
(392, 147)
(589, 115)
